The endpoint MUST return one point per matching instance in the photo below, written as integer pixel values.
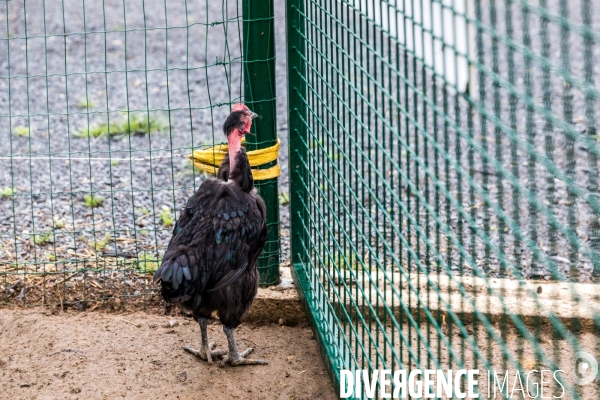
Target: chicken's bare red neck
(236, 126)
(234, 141)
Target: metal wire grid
(413, 200)
(166, 73)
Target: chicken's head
(239, 121)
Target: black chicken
(210, 264)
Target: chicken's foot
(206, 352)
(234, 358)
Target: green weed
(284, 198)
(41, 239)
(101, 244)
(142, 123)
(148, 263)
(85, 103)
(93, 131)
(59, 223)
(166, 216)
(129, 124)
(96, 244)
(7, 192)
(23, 130)
(93, 201)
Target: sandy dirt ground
(74, 355)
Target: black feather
(168, 271)
(233, 121)
(178, 274)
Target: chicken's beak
(253, 115)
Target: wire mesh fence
(444, 177)
(101, 102)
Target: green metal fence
(444, 184)
(100, 104)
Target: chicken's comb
(239, 107)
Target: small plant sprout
(93, 201)
(129, 124)
(148, 263)
(143, 211)
(42, 238)
(284, 198)
(23, 130)
(96, 244)
(59, 223)
(7, 192)
(100, 245)
(51, 257)
(85, 103)
(114, 163)
(141, 123)
(166, 216)
(93, 131)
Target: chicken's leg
(234, 358)
(206, 352)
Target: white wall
(403, 19)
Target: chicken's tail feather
(176, 281)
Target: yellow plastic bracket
(208, 160)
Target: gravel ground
(187, 77)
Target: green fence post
(299, 178)
(297, 133)
(259, 95)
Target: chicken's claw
(206, 354)
(241, 360)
